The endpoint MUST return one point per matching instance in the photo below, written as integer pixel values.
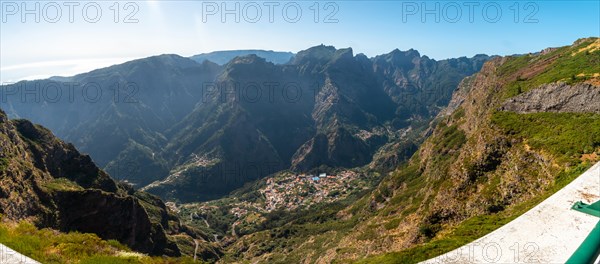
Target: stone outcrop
(556, 97)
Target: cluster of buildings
(238, 211)
(285, 190)
(291, 191)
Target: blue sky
(57, 46)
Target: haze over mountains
(199, 130)
(223, 57)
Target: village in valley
(291, 191)
(282, 191)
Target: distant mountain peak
(320, 53)
(397, 54)
(170, 59)
(343, 53)
(223, 57)
(247, 59)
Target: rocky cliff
(513, 133)
(48, 182)
(556, 97)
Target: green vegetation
(564, 135)
(368, 233)
(218, 217)
(392, 224)
(474, 227)
(466, 232)
(458, 113)
(570, 65)
(3, 164)
(282, 235)
(62, 185)
(127, 164)
(50, 246)
(450, 138)
(408, 199)
(152, 205)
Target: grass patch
(450, 138)
(109, 259)
(564, 135)
(62, 185)
(566, 67)
(392, 224)
(368, 234)
(458, 113)
(50, 246)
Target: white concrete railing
(9, 256)
(548, 233)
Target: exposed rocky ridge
(470, 166)
(556, 97)
(48, 182)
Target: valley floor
(548, 233)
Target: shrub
(3, 164)
(565, 135)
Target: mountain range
(223, 57)
(511, 135)
(190, 131)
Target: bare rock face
(556, 97)
(337, 147)
(112, 217)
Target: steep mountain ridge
(483, 166)
(513, 133)
(48, 182)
